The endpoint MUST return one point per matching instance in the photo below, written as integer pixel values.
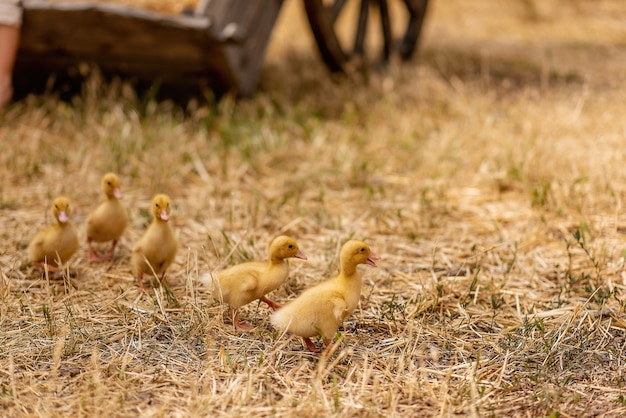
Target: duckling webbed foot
(242, 326)
(140, 282)
(111, 253)
(275, 306)
(45, 266)
(310, 345)
(94, 256)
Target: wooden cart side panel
(245, 27)
(119, 39)
(223, 48)
(202, 7)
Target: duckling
(108, 220)
(241, 284)
(321, 309)
(156, 249)
(55, 244)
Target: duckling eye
(156, 205)
(362, 249)
(108, 183)
(290, 245)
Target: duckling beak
(164, 216)
(63, 217)
(118, 193)
(301, 255)
(371, 260)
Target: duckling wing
(328, 319)
(244, 277)
(137, 249)
(320, 309)
(239, 284)
(97, 221)
(339, 309)
(136, 258)
(107, 221)
(37, 240)
(140, 256)
(35, 247)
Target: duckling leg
(93, 255)
(275, 306)
(45, 265)
(239, 325)
(112, 252)
(310, 345)
(140, 282)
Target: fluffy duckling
(108, 220)
(241, 284)
(54, 245)
(321, 309)
(156, 249)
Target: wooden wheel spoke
(412, 6)
(416, 8)
(359, 40)
(417, 12)
(336, 9)
(386, 28)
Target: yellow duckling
(108, 220)
(321, 309)
(156, 249)
(54, 245)
(241, 284)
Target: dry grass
(488, 175)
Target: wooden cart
(220, 44)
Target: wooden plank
(122, 40)
(221, 45)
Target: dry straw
(488, 175)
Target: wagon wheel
(323, 16)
